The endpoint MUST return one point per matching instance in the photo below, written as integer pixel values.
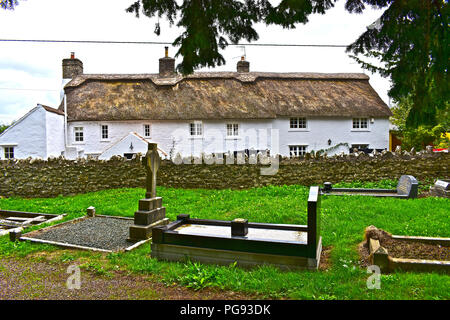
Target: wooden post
(313, 221)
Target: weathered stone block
(148, 217)
(140, 232)
(150, 204)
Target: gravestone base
(138, 232)
(436, 192)
(150, 214)
(144, 218)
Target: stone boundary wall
(32, 178)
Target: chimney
(166, 65)
(72, 67)
(243, 66)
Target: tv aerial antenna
(244, 54)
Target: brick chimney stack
(166, 65)
(242, 65)
(72, 67)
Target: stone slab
(442, 184)
(419, 265)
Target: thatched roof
(221, 95)
(53, 110)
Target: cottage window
(360, 123)
(297, 151)
(105, 133)
(9, 152)
(297, 123)
(359, 147)
(196, 129)
(79, 134)
(232, 129)
(146, 130)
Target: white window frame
(357, 124)
(358, 145)
(101, 132)
(77, 130)
(145, 130)
(297, 150)
(232, 130)
(298, 124)
(196, 129)
(8, 151)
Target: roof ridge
(50, 109)
(241, 76)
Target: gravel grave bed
(107, 233)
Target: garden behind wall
(39, 178)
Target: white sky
(25, 66)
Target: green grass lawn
(344, 219)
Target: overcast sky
(30, 73)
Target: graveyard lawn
(344, 219)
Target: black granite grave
(407, 187)
(246, 243)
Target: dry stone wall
(58, 176)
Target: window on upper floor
(232, 129)
(196, 129)
(105, 132)
(360, 123)
(146, 130)
(9, 152)
(297, 123)
(297, 151)
(78, 134)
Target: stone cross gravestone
(150, 212)
(407, 186)
(151, 162)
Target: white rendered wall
(257, 134)
(124, 147)
(55, 134)
(28, 136)
(174, 135)
(338, 130)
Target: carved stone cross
(151, 162)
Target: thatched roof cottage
(217, 112)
